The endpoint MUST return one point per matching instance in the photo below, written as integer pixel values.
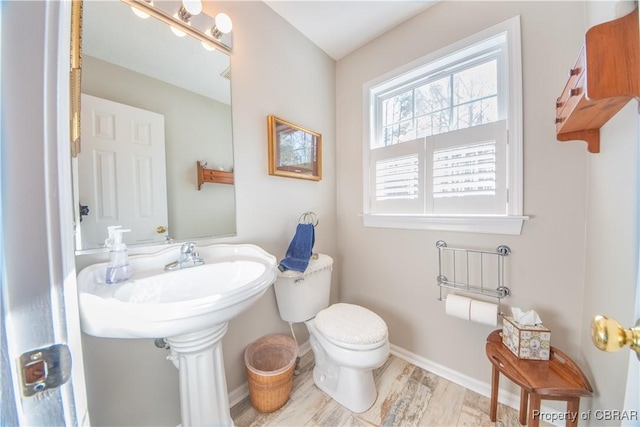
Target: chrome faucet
(189, 257)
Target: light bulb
(176, 31)
(223, 23)
(206, 45)
(194, 7)
(139, 13)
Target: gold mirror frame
(79, 34)
(76, 55)
(75, 75)
(294, 151)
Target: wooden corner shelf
(605, 77)
(213, 176)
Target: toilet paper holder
(471, 268)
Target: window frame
(512, 221)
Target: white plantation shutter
(470, 171)
(467, 170)
(397, 178)
(467, 173)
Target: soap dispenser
(111, 240)
(118, 268)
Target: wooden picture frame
(294, 152)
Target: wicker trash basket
(270, 362)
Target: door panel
(121, 170)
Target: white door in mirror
(121, 172)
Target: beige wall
(272, 66)
(394, 271)
(577, 255)
(277, 71)
(555, 267)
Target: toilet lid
(350, 324)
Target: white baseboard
(480, 387)
(238, 394)
(304, 348)
(484, 388)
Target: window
(444, 143)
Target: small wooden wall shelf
(212, 175)
(605, 78)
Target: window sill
(487, 224)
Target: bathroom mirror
(144, 88)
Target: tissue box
(526, 342)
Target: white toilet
(348, 341)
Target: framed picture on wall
(294, 151)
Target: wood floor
(407, 396)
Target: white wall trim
(238, 394)
(488, 224)
(484, 388)
(480, 387)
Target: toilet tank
(300, 296)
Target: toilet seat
(351, 326)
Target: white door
(632, 395)
(38, 297)
(121, 172)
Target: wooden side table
(559, 378)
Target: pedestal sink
(190, 307)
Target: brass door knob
(160, 229)
(608, 335)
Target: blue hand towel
(300, 249)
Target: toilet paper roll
(458, 306)
(483, 312)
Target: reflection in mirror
(153, 106)
(185, 17)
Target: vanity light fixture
(221, 27)
(208, 46)
(180, 22)
(139, 13)
(193, 7)
(183, 16)
(188, 9)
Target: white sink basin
(160, 304)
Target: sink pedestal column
(203, 385)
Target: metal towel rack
(309, 218)
(474, 274)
